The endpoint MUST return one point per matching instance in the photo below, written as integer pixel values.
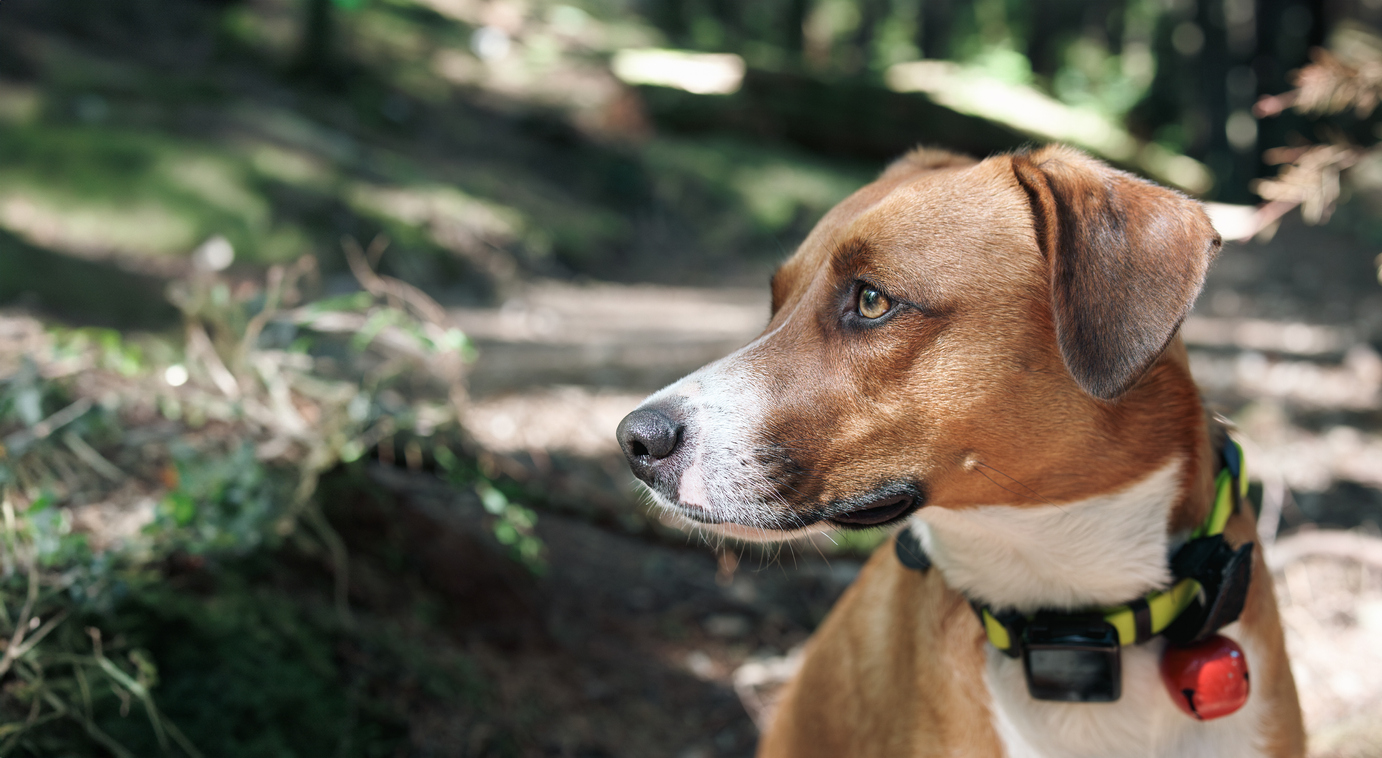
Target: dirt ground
(628, 645)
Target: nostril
(648, 433)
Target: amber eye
(872, 303)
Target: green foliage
(108, 649)
(220, 503)
(109, 346)
(513, 523)
(248, 672)
(233, 666)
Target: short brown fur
(1018, 352)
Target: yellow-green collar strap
(1150, 615)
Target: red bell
(1208, 679)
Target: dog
(986, 355)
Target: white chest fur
(1100, 551)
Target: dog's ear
(1126, 258)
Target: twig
(284, 413)
(200, 342)
(92, 458)
(33, 639)
(64, 708)
(141, 692)
(181, 739)
(388, 287)
(17, 443)
(1271, 105)
(93, 731)
(13, 650)
(340, 561)
(273, 295)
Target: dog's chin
(744, 533)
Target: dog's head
(953, 333)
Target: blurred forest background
(317, 317)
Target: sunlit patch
(175, 375)
(95, 229)
(698, 73)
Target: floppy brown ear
(1127, 259)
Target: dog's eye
(872, 303)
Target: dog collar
(1074, 656)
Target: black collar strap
(1210, 589)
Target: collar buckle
(1224, 575)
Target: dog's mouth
(877, 513)
(881, 509)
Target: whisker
(1039, 497)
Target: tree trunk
(316, 50)
(933, 31)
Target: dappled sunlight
(572, 419)
(971, 90)
(463, 225)
(145, 230)
(1293, 337)
(99, 193)
(19, 104)
(291, 166)
(1308, 461)
(697, 73)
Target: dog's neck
(1101, 551)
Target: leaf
(181, 507)
(445, 458)
(494, 501)
(44, 500)
(505, 533)
(354, 301)
(376, 323)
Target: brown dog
(987, 353)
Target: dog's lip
(877, 512)
(698, 516)
(881, 510)
(701, 517)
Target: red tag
(1208, 679)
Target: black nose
(647, 436)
